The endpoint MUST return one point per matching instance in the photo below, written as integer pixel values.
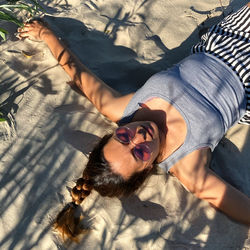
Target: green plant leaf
(18, 6)
(3, 33)
(10, 18)
(30, 6)
(37, 5)
(2, 119)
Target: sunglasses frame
(130, 138)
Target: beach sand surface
(50, 129)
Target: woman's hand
(34, 30)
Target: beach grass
(10, 12)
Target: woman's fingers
(30, 30)
(33, 29)
(24, 29)
(21, 35)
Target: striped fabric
(230, 41)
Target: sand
(50, 129)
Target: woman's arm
(108, 101)
(195, 175)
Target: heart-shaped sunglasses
(141, 150)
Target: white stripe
(246, 25)
(232, 17)
(236, 23)
(233, 61)
(231, 45)
(244, 72)
(211, 38)
(246, 77)
(227, 47)
(242, 19)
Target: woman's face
(126, 158)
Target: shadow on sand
(36, 166)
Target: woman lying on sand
(174, 121)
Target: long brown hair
(98, 176)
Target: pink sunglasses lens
(124, 134)
(142, 152)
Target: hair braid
(66, 221)
(99, 176)
(81, 190)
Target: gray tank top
(206, 92)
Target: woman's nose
(140, 136)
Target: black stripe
(246, 69)
(211, 38)
(247, 81)
(244, 75)
(226, 46)
(243, 122)
(243, 19)
(232, 16)
(231, 59)
(233, 23)
(246, 24)
(231, 44)
(247, 117)
(241, 59)
(243, 72)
